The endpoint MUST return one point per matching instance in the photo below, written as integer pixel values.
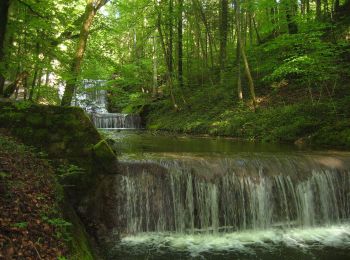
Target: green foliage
(20, 225)
(65, 172)
(319, 124)
(62, 227)
(307, 60)
(4, 175)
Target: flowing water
(116, 121)
(92, 97)
(207, 198)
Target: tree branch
(31, 9)
(100, 3)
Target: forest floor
(31, 225)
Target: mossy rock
(106, 158)
(35, 119)
(64, 133)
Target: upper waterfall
(93, 100)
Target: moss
(42, 134)
(56, 148)
(105, 156)
(80, 245)
(67, 125)
(35, 119)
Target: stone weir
(195, 194)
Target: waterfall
(236, 194)
(116, 121)
(93, 101)
(92, 97)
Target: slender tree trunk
(155, 68)
(36, 70)
(90, 11)
(203, 17)
(250, 30)
(4, 6)
(239, 80)
(302, 7)
(223, 37)
(25, 88)
(179, 45)
(38, 84)
(47, 81)
(242, 51)
(325, 7)
(258, 38)
(171, 34)
(290, 8)
(14, 87)
(336, 5)
(35, 76)
(318, 9)
(166, 57)
(273, 21)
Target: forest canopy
(179, 55)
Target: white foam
(332, 236)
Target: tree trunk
(239, 81)
(155, 68)
(290, 8)
(223, 36)
(179, 45)
(47, 81)
(243, 55)
(31, 93)
(90, 11)
(207, 29)
(4, 6)
(336, 5)
(170, 42)
(36, 70)
(20, 81)
(258, 38)
(318, 9)
(166, 57)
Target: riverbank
(324, 123)
(36, 219)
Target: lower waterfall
(180, 197)
(237, 195)
(255, 207)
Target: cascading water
(93, 101)
(116, 121)
(234, 195)
(226, 200)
